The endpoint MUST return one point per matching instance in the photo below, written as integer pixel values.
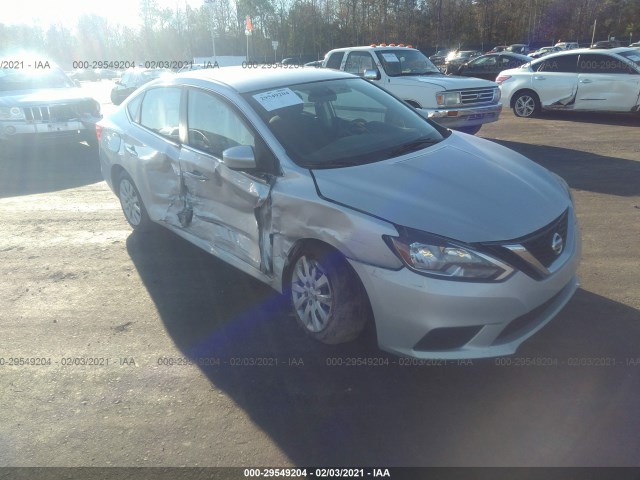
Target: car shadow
(584, 170)
(40, 168)
(323, 405)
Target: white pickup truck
(460, 103)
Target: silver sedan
(344, 198)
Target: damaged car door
(225, 205)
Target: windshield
(405, 62)
(341, 123)
(33, 79)
(633, 56)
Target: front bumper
(22, 132)
(428, 318)
(464, 116)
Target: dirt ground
(123, 349)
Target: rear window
(633, 56)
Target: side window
(358, 62)
(160, 111)
(213, 125)
(134, 108)
(597, 63)
(335, 60)
(561, 64)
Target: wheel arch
(299, 246)
(517, 93)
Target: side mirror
(117, 82)
(372, 74)
(240, 157)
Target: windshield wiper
(414, 145)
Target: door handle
(197, 175)
(538, 77)
(131, 149)
(586, 80)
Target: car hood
(49, 96)
(446, 82)
(463, 188)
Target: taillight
(98, 131)
(502, 78)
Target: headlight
(497, 94)
(436, 256)
(448, 99)
(11, 113)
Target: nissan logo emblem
(557, 243)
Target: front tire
(131, 203)
(526, 105)
(327, 298)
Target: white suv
(583, 79)
(461, 103)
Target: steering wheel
(357, 126)
(200, 138)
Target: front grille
(477, 95)
(58, 113)
(539, 243)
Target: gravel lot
(130, 329)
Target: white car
(583, 79)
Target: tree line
(309, 28)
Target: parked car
(607, 44)
(439, 57)
(456, 59)
(455, 102)
(541, 52)
(489, 66)
(315, 63)
(292, 61)
(41, 103)
(107, 73)
(520, 48)
(497, 49)
(344, 198)
(131, 80)
(84, 74)
(583, 79)
(567, 45)
(635, 45)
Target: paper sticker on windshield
(390, 57)
(275, 99)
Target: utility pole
(213, 35)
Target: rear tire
(132, 205)
(328, 299)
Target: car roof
(244, 80)
(586, 50)
(369, 48)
